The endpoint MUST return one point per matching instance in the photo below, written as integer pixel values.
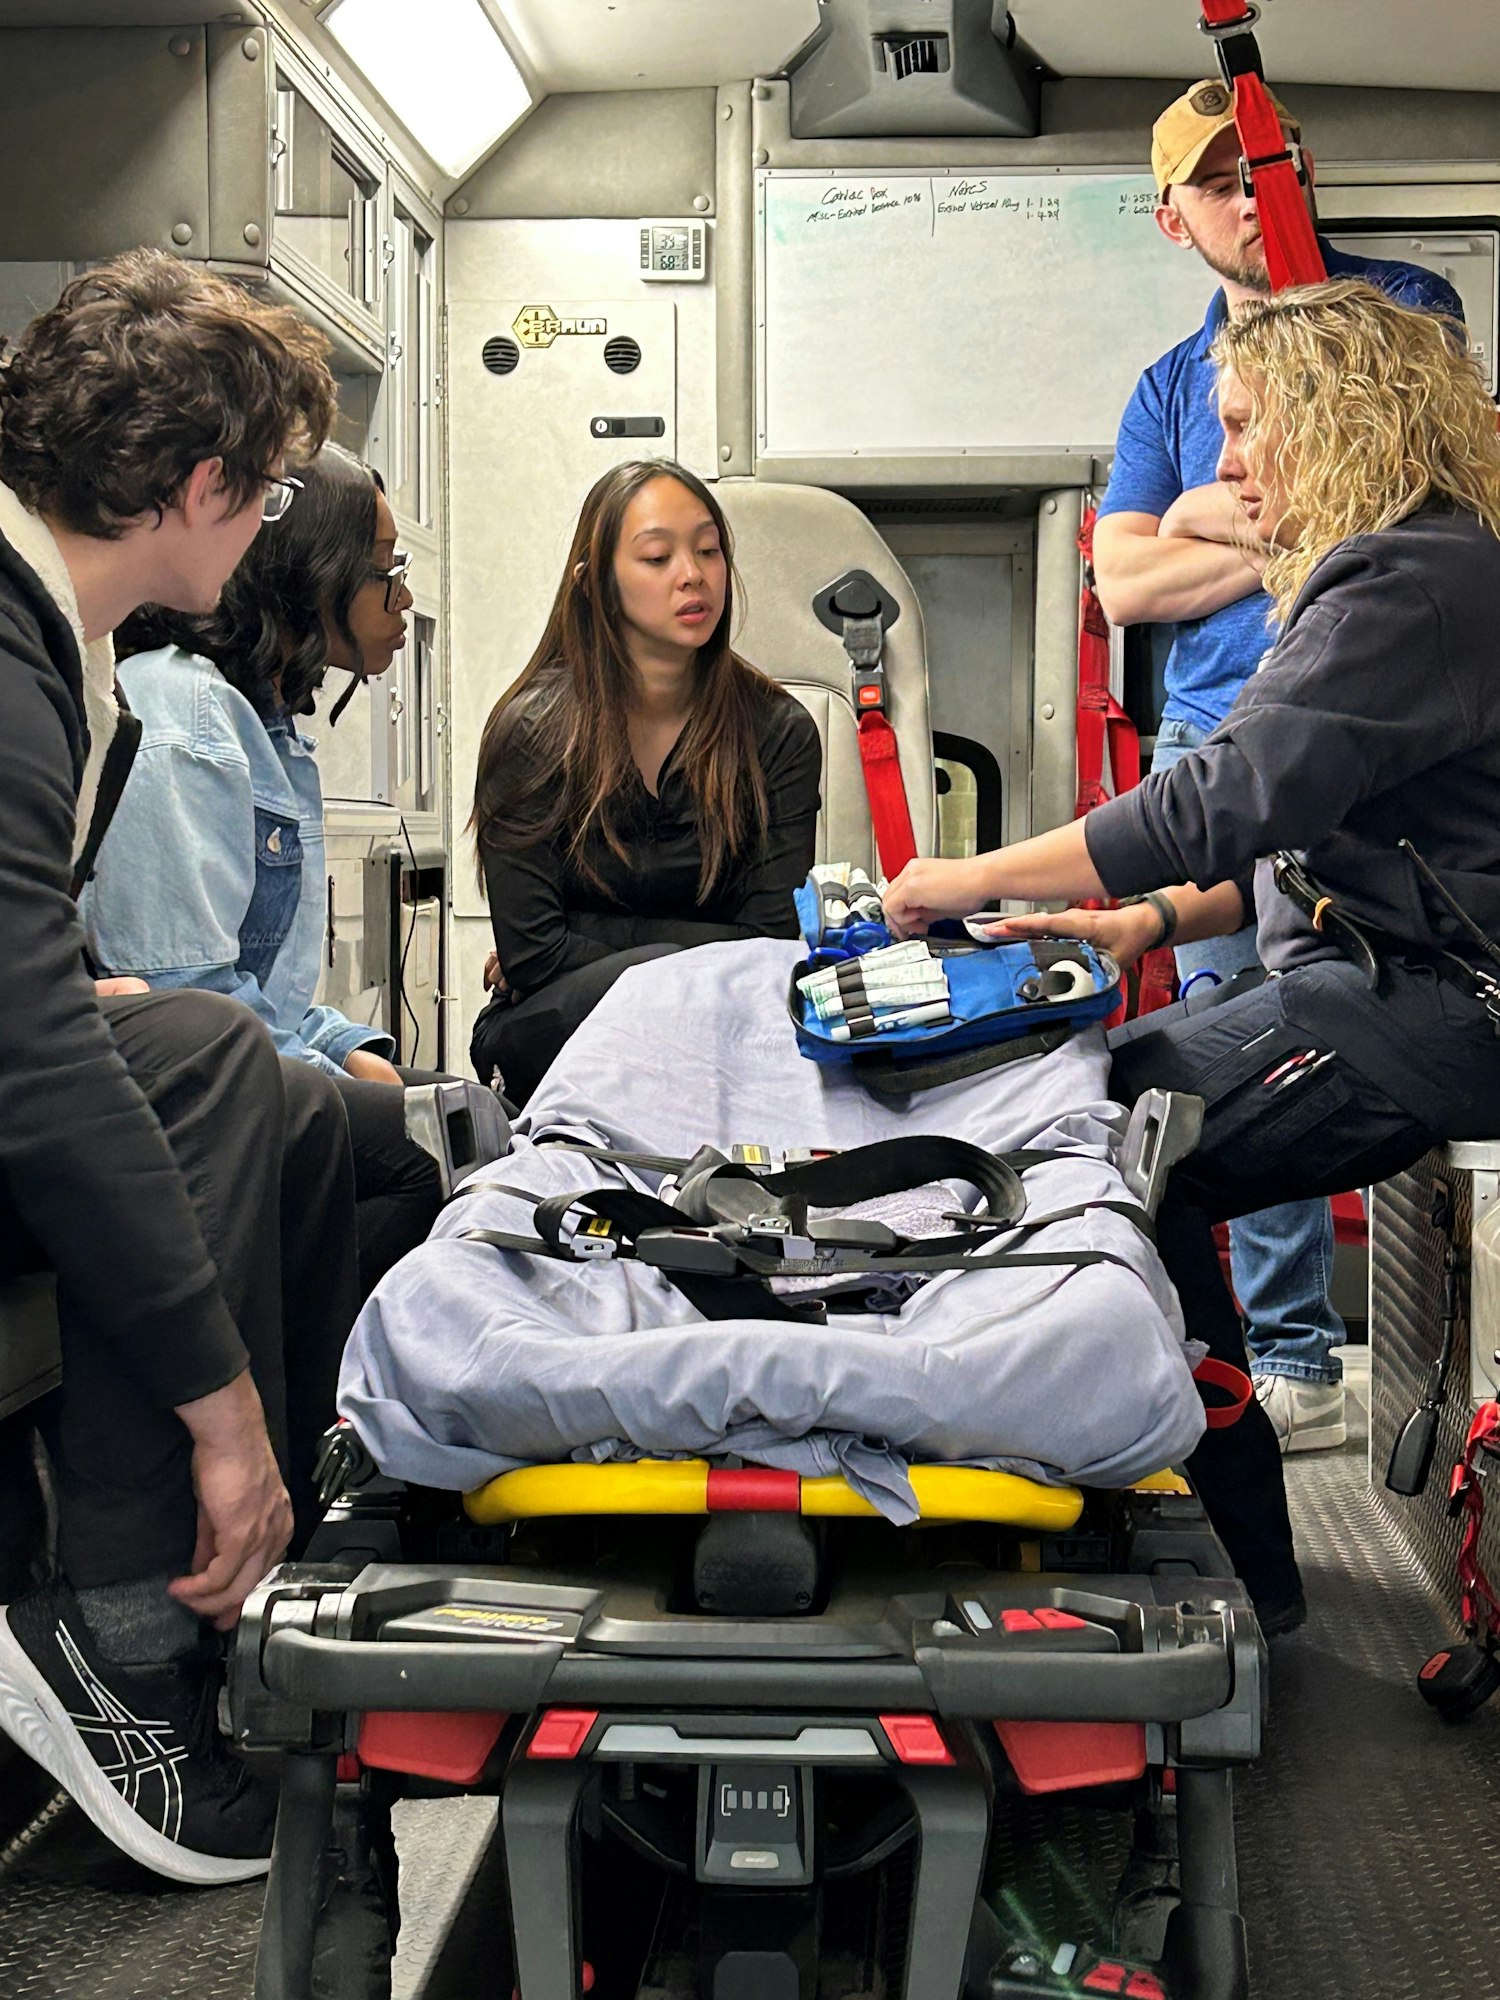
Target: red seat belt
(1271, 166)
(1101, 720)
(1100, 717)
(885, 788)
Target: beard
(1239, 270)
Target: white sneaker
(1306, 1416)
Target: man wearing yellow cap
(1170, 549)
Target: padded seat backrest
(790, 543)
(30, 1357)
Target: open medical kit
(923, 1011)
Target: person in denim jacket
(213, 872)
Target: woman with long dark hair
(213, 874)
(641, 789)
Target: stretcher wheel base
(1459, 1680)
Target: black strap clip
(1290, 152)
(1235, 44)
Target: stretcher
(748, 1739)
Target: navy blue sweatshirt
(1376, 717)
(83, 1160)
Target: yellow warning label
(596, 1226)
(511, 1621)
(539, 326)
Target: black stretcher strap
(715, 1298)
(890, 1166)
(893, 1078)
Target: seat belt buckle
(594, 1238)
(774, 1232)
(1291, 151)
(869, 690)
(1242, 24)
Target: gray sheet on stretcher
(469, 1361)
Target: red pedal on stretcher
(451, 1747)
(1068, 1756)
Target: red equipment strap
(885, 788)
(1100, 717)
(1101, 720)
(1478, 1602)
(1235, 1383)
(1271, 165)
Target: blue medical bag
(1006, 999)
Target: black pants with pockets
(1266, 1139)
(263, 1145)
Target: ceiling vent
(915, 69)
(500, 354)
(622, 354)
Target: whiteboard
(960, 312)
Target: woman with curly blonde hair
(1350, 795)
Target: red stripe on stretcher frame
(753, 1490)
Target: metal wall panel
(608, 153)
(103, 142)
(239, 119)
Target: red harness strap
(1101, 719)
(1272, 164)
(890, 815)
(1235, 1383)
(1478, 1602)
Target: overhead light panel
(442, 69)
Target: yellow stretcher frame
(680, 1486)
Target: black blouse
(550, 919)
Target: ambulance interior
(885, 271)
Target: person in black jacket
(1364, 452)
(192, 1194)
(641, 789)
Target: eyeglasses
(279, 495)
(393, 578)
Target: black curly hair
(298, 575)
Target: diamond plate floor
(1367, 1833)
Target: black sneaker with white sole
(136, 1748)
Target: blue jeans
(1282, 1258)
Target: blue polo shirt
(1170, 441)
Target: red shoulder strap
(1271, 162)
(890, 815)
